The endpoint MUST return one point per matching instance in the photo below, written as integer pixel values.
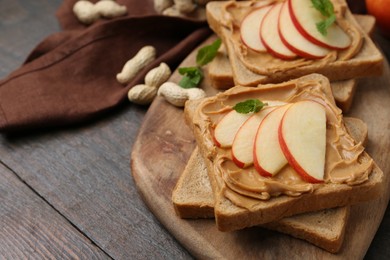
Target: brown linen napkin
(71, 76)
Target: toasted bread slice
(228, 215)
(367, 62)
(221, 77)
(219, 70)
(366, 22)
(193, 198)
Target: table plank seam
(56, 210)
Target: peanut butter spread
(345, 163)
(264, 63)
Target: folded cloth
(70, 76)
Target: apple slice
(305, 17)
(302, 137)
(269, 34)
(227, 127)
(250, 29)
(294, 40)
(242, 147)
(268, 157)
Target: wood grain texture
(85, 174)
(30, 228)
(165, 142)
(23, 24)
(82, 172)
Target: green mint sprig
(192, 76)
(249, 105)
(325, 7)
(207, 53)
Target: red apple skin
(256, 164)
(295, 50)
(258, 168)
(380, 9)
(291, 160)
(298, 52)
(238, 163)
(215, 139)
(304, 33)
(275, 54)
(244, 41)
(270, 50)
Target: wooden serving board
(165, 143)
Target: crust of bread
(368, 62)
(357, 129)
(343, 93)
(230, 217)
(366, 22)
(220, 74)
(325, 228)
(219, 70)
(193, 198)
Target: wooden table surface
(69, 193)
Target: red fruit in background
(381, 10)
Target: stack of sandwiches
(293, 164)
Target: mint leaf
(207, 53)
(249, 105)
(323, 26)
(325, 7)
(192, 76)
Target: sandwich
(233, 183)
(220, 74)
(250, 193)
(346, 52)
(193, 198)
